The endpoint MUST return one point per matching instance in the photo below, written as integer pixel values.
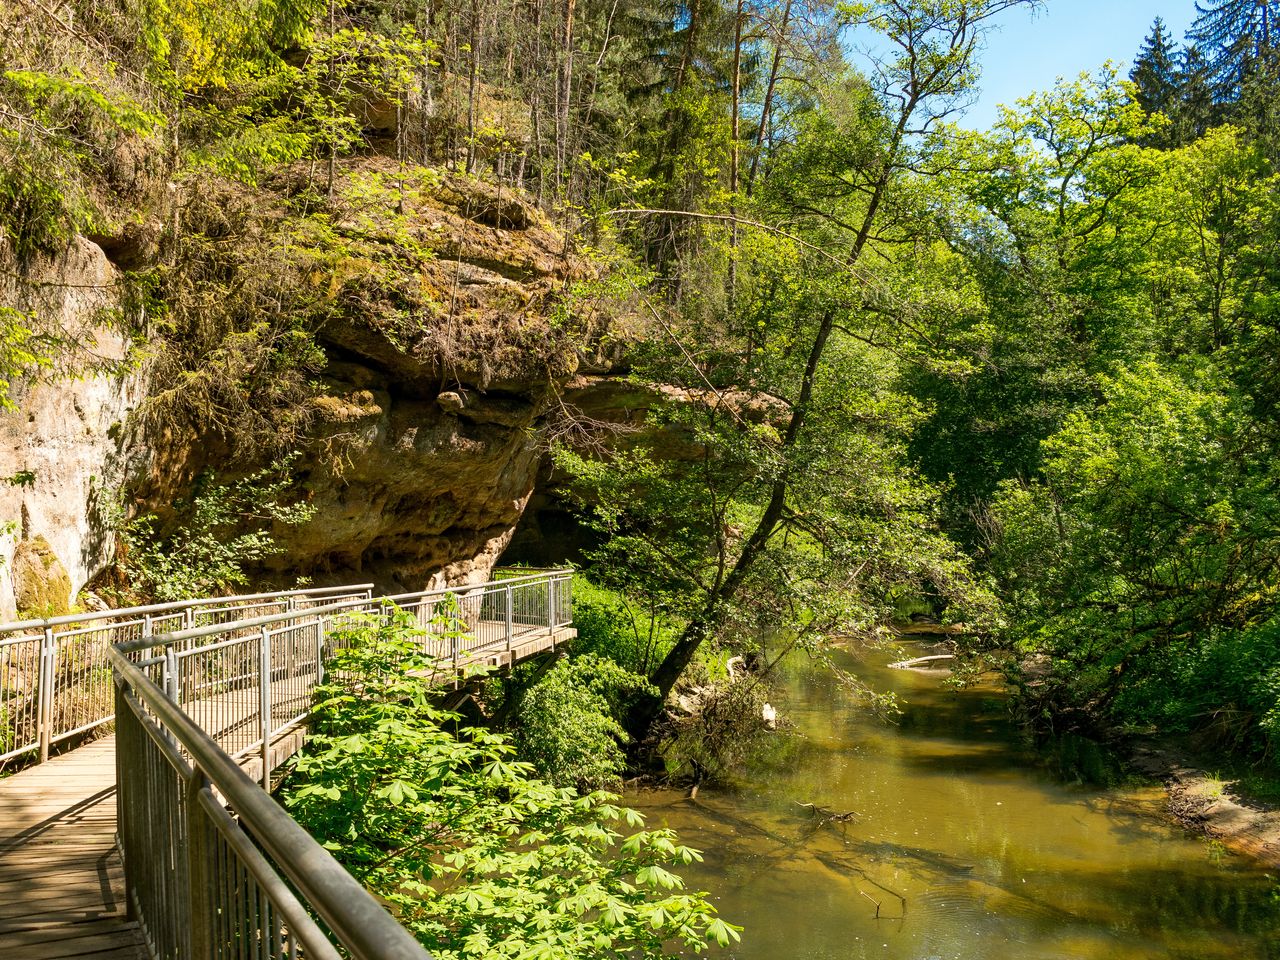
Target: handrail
(357, 919)
(175, 605)
(172, 637)
(56, 670)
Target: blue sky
(1029, 52)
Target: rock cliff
(63, 449)
(419, 445)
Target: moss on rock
(42, 586)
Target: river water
(974, 843)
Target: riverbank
(1200, 797)
(1201, 800)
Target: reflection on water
(967, 841)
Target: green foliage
(23, 352)
(204, 546)
(473, 853)
(857, 334)
(612, 625)
(52, 96)
(568, 724)
(1225, 690)
(1143, 562)
(202, 45)
(53, 136)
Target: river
(974, 843)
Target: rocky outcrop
(421, 444)
(63, 449)
(412, 491)
(41, 584)
(425, 439)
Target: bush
(569, 725)
(611, 625)
(1225, 689)
(219, 529)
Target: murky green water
(974, 844)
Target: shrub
(569, 722)
(221, 527)
(612, 625)
(475, 855)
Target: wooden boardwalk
(61, 880)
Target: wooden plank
(62, 891)
(101, 950)
(71, 931)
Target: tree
(1037, 211)
(1142, 563)
(1235, 34)
(1155, 73)
(790, 513)
(475, 855)
(1196, 109)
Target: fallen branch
(827, 815)
(919, 663)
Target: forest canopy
(1025, 376)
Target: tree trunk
(473, 79)
(734, 142)
(768, 97)
(565, 92)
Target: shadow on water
(967, 838)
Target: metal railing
(214, 867)
(55, 677)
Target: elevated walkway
(168, 815)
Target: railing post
(172, 689)
(510, 629)
(147, 625)
(44, 692)
(320, 651)
(264, 703)
(200, 877)
(169, 682)
(551, 604)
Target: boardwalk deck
(61, 880)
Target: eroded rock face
(422, 448)
(411, 492)
(426, 446)
(64, 439)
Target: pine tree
(1155, 77)
(1257, 111)
(1195, 110)
(1234, 34)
